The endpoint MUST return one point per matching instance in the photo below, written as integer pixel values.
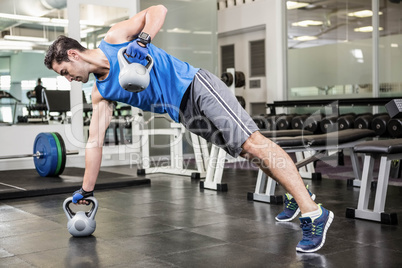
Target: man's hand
(137, 50)
(81, 194)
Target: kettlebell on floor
(133, 77)
(81, 223)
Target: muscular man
(192, 96)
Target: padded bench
(217, 159)
(313, 147)
(386, 150)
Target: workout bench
(218, 157)
(386, 150)
(314, 147)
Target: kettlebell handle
(150, 62)
(90, 214)
(123, 62)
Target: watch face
(144, 36)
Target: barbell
(49, 154)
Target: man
(194, 97)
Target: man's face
(72, 70)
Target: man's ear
(72, 54)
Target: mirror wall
(330, 49)
(28, 27)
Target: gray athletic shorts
(210, 110)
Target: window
(257, 58)
(228, 57)
(28, 84)
(5, 82)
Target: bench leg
(307, 171)
(265, 190)
(367, 177)
(382, 185)
(215, 168)
(356, 182)
(362, 211)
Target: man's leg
(277, 164)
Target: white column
(376, 24)
(77, 122)
(276, 50)
(73, 11)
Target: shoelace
(308, 229)
(290, 205)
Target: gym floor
(172, 223)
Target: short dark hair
(58, 50)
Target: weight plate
(59, 158)
(46, 164)
(63, 153)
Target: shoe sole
(295, 214)
(329, 221)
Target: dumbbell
(298, 121)
(259, 121)
(379, 125)
(394, 127)
(329, 124)
(239, 79)
(284, 122)
(363, 121)
(49, 154)
(313, 123)
(270, 123)
(346, 121)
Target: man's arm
(149, 20)
(101, 117)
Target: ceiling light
(14, 48)
(295, 5)
(202, 52)
(394, 45)
(61, 22)
(366, 29)
(24, 18)
(202, 32)
(307, 23)
(15, 45)
(362, 13)
(305, 38)
(178, 30)
(25, 38)
(92, 22)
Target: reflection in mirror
(330, 49)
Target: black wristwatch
(144, 38)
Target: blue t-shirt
(169, 79)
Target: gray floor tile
(174, 223)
